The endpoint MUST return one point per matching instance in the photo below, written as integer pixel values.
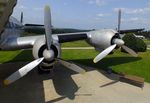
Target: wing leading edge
(72, 37)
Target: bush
(140, 45)
(134, 43)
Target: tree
(134, 43)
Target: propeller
(22, 71)
(48, 53)
(104, 53)
(119, 20)
(21, 18)
(71, 66)
(116, 42)
(130, 51)
(48, 27)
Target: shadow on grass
(107, 62)
(26, 56)
(23, 56)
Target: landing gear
(46, 70)
(46, 67)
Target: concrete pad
(68, 87)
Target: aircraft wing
(33, 26)
(40, 29)
(130, 31)
(68, 37)
(27, 42)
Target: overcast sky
(87, 14)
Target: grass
(147, 41)
(80, 43)
(120, 62)
(15, 56)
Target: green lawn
(120, 62)
(80, 43)
(147, 41)
(15, 56)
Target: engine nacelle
(101, 39)
(40, 47)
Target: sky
(87, 14)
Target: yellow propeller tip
(6, 82)
(47, 7)
(83, 72)
(94, 61)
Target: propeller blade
(48, 26)
(130, 51)
(21, 19)
(22, 72)
(71, 66)
(119, 20)
(104, 53)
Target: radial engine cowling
(40, 49)
(101, 39)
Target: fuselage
(12, 30)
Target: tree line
(146, 34)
